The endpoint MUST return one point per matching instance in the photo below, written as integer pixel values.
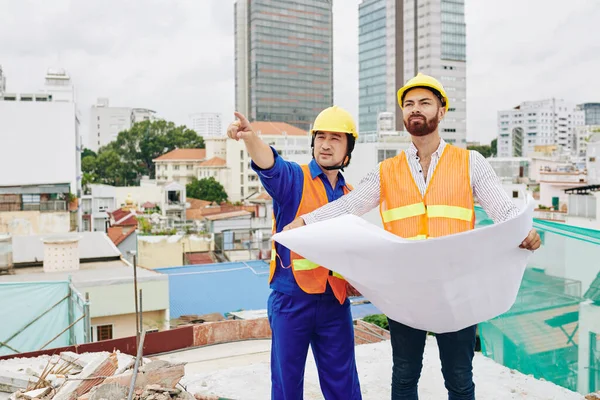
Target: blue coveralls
(297, 318)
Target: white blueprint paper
(437, 285)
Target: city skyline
(165, 66)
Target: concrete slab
(227, 369)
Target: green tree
(494, 147)
(206, 189)
(87, 152)
(124, 161)
(147, 140)
(378, 319)
(485, 151)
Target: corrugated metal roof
(222, 288)
(226, 288)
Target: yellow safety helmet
(422, 80)
(335, 119)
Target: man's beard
(421, 126)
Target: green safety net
(37, 315)
(540, 334)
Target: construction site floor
(240, 371)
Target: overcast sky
(177, 57)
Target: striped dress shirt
(487, 189)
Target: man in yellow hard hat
(308, 304)
(428, 191)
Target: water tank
(6, 253)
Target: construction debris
(91, 376)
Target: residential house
(179, 165)
(96, 203)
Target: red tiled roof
(277, 128)
(263, 196)
(118, 214)
(124, 217)
(227, 215)
(119, 233)
(148, 205)
(184, 155)
(196, 204)
(214, 162)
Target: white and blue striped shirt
(487, 189)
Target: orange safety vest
(446, 208)
(311, 277)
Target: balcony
(549, 215)
(50, 205)
(564, 177)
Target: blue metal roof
(222, 288)
(226, 287)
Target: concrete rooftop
(227, 369)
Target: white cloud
(177, 57)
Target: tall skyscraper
(283, 59)
(398, 39)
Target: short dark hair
(432, 90)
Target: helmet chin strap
(334, 167)
(343, 164)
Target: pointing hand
(240, 129)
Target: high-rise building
(398, 39)
(550, 122)
(207, 124)
(283, 59)
(591, 110)
(106, 122)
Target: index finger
(242, 118)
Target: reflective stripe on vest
(302, 264)
(398, 213)
(433, 211)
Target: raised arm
(259, 151)
(276, 175)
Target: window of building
(190, 167)
(592, 159)
(384, 154)
(31, 199)
(176, 167)
(515, 194)
(241, 154)
(102, 332)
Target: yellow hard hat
(335, 119)
(422, 80)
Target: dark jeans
(456, 353)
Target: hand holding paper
(438, 285)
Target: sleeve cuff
(308, 219)
(269, 173)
